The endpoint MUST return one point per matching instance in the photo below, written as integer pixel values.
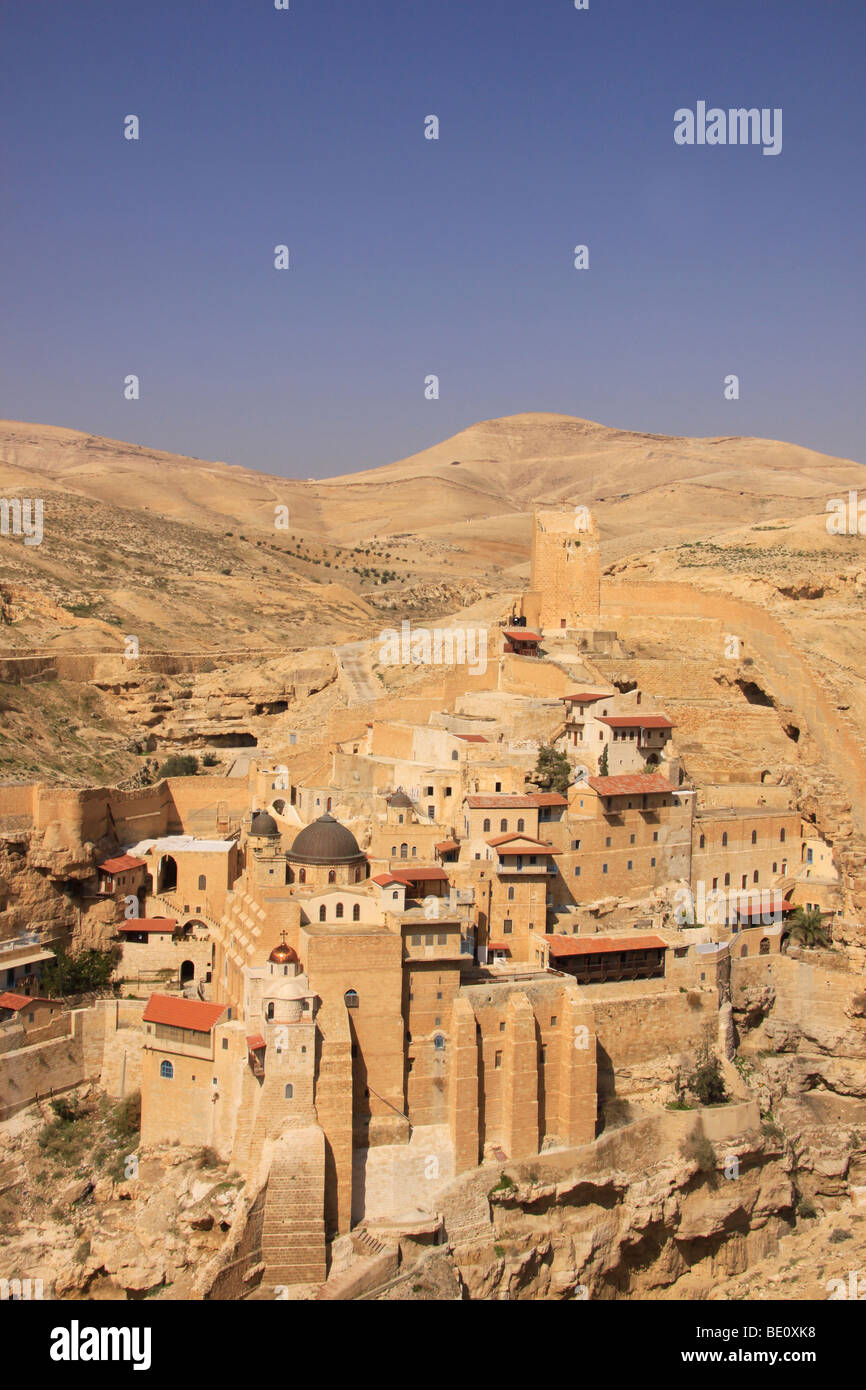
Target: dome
(326, 841)
(283, 955)
(399, 798)
(263, 824)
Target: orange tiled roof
(384, 879)
(630, 783)
(446, 846)
(149, 924)
(417, 875)
(255, 1042)
(472, 738)
(183, 1013)
(520, 634)
(15, 1001)
(501, 842)
(124, 861)
(585, 696)
(598, 945)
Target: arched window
(393, 851)
(754, 837)
(166, 1070)
(702, 843)
(399, 820)
(339, 911)
(270, 1011)
(202, 881)
(328, 807)
(302, 876)
(356, 912)
(404, 851)
(486, 825)
(332, 875)
(358, 875)
(521, 825)
(414, 850)
(289, 1091)
(439, 1043)
(351, 998)
(322, 913)
(782, 835)
(725, 838)
(453, 755)
(503, 825)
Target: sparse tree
(552, 770)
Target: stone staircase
(293, 1233)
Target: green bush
(79, 974)
(698, 1149)
(706, 1081)
(179, 765)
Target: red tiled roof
(446, 846)
(636, 721)
(473, 738)
(255, 1042)
(498, 946)
(418, 875)
(598, 945)
(384, 879)
(149, 924)
(586, 696)
(520, 634)
(630, 783)
(124, 861)
(517, 801)
(504, 844)
(183, 1013)
(15, 1001)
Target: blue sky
(412, 256)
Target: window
(775, 866)
(577, 871)
(414, 851)
(416, 941)
(448, 791)
(439, 1043)
(269, 1012)
(575, 844)
(396, 893)
(754, 837)
(404, 850)
(289, 1091)
(508, 926)
(521, 824)
(429, 791)
(727, 880)
(553, 1020)
(715, 883)
(744, 880)
(755, 876)
(453, 755)
(322, 913)
(332, 875)
(628, 865)
(655, 837)
(631, 839)
(724, 839)
(503, 825)
(441, 940)
(339, 910)
(356, 912)
(302, 876)
(167, 1070)
(399, 820)
(393, 851)
(486, 825)
(431, 811)
(607, 842)
(652, 863)
(808, 857)
(351, 998)
(358, 875)
(225, 1044)
(497, 1060)
(604, 868)
(498, 787)
(202, 881)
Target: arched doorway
(166, 878)
(187, 972)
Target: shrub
(706, 1081)
(79, 974)
(806, 1209)
(209, 760)
(179, 765)
(696, 1148)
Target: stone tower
(565, 583)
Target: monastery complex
(357, 986)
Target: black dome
(263, 824)
(326, 841)
(399, 798)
